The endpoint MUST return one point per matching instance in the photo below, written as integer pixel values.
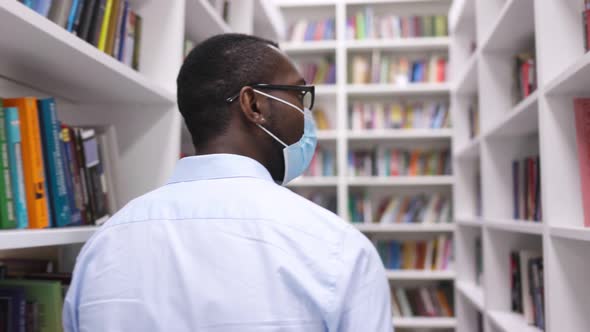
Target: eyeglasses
(305, 93)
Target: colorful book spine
(33, 168)
(69, 172)
(104, 27)
(54, 166)
(15, 159)
(72, 15)
(7, 216)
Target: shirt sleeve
(363, 296)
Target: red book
(582, 116)
(319, 30)
(421, 252)
(441, 70)
(524, 78)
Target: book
(59, 12)
(582, 122)
(16, 302)
(61, 214)
(15, 160)
(525, 279)
(129, 42)
(95, 175)
(78, 17)
(33, 169)
(112, 27)
(433, 254)
(42, 7)
(7, 215)
(120, 30)
(104, 26)
(93, 36)
(84, 177)
(71, 175)
(72, 15)
(48, 295)
(423, 301)
(86, 19)
(137, 42)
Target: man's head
(227, 66)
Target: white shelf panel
(320, 46)
(326, 90)
(574, 233)
(268, 20)
(424, 322)
(305, 3)
(207, 25)
(29, 238)
(520, 226)
(514, 27)
(372, 2)
(461, 11)
(420, 275)
(472, 292)
(466, 83)
(327, 135)
(470, 150)
(374, 228)
(511, 322)
(523, 119)
(468, 221)
(392, 89)
(370, 181)
(387, 134)
(314, 181)
(401, 44)
(575, 80)
(46, 57)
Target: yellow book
(104, 29)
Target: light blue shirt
(223, 248)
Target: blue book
(15, 162)
(16, 299)
(54, 166)
(28, 3)
(309, 32)
(69, 162)
(395, 255)
(42, 7)
(72, 16)
(123, 31)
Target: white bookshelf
(424, 323)
(419, 275)
(542, 123)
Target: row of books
(384, 161)
(473, 119)
(406, 115)
(392, 69)
(323, 163)
(305, 30)
(322, 198)
(31, 295)
(582, 123)
(434, 254)
(421, 208)
(527, 286)
(366, 25)
(526, 182)
(52, 174)
(525, 76)
(426, 301)
(586, 24)
(110, 25)
(318, 72)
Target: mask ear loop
(279, 99)
(272, 135)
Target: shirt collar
(218, 166)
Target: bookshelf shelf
(441, 180)
(399, 134)
(326, 89)
(469, 221)
(209, 24)
(305, 3)
(420, 275)
(390, 89)
(573, 233)
(513, 27)
(321, 46)
(470, 150)
(375, 228)
(472, 292)
(574, 80)
(521, 120)
(29, 238)
(509, 322)
(519, 226)
(424, 322)
(314, 181)
(401, 44)
(56, 69)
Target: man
(223, 247)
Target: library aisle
(438, 121)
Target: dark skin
(244, 137)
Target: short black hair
(213, 71)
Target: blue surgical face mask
(298, 155)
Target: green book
(360, 26)
(441, 26)
(427, 29)
(7, 217)
(48, 295)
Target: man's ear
(250, 104)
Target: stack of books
(398, 70)
(365, 25)
(318, 72)
(527, 286)
(434, 254)
(305, 30)
(525, 76)
(110, 25)
(421, 208)
(526, 184)
(396, 162)
(31, 295)
(53, 175)
(425, 301)
(323, 163)
(409, 115)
